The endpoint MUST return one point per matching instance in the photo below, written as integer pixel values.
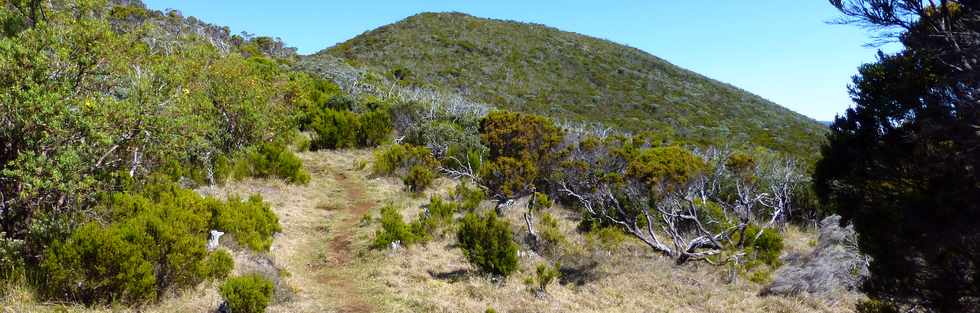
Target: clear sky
(782, 50)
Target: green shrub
(11, 258)
(607, 237)
(762, 245)
(418, 178)
(509, 177)
(248, 294)
(415, 165)
(550, 233)
(488, 243)
(876, 306)
(272, 160)
(545, 274)
(521, 146)
(393, 229)
(468, 198)
(251, 222)
(99, 265)
(439, 215)
(219, 264)
(334, 129)
(376, 126)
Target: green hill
(539, 69)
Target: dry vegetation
(324, 262)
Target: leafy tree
(902, 163)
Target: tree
(903, 163)
(520, 147)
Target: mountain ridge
(540, 69)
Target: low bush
(876, 306)
(468, 198)
(763, 245)
(488, 243)
(248, 294)
(334, 129)
(393, 229)
(418, 178)
(415, 165)
(153, 243)
(434, 220)
(250, 222)
(549, 232)
(545, 274)
(219, 264)
(11, 258)
(376, 126)
(271, 160)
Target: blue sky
(782, 50)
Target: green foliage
(271, 160)
(876, 306)
(415, 165)
(521, 147)
(509, 177)
(550, 233)
(418, 178)
(607, 237)
(335, 129)
(376, 127)
(901, 168)
(763, 245)
(438, 215)
(468, 198)
(219, 264)
(393, 229)
(488, 243)
(665, 167)
(537, 69)
(248, 294)
(545, 274)
(154, 243)
(251, 222)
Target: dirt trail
(339, 248)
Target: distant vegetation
(575, 78)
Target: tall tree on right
(903, 163)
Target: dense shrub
(271, 160)
(248, 294)
(762, 245)
(334, 129)
(521, 146)
(418, 178)
(376, 126)
(393, 229)
(509, 177)
(154, 243)
(415, 165)
(251, 222)
(488, 243)
(219, 264)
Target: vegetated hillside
(539, 69)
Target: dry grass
(325, 264)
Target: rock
(213, 239)
(834, 265)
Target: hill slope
(538, 69)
